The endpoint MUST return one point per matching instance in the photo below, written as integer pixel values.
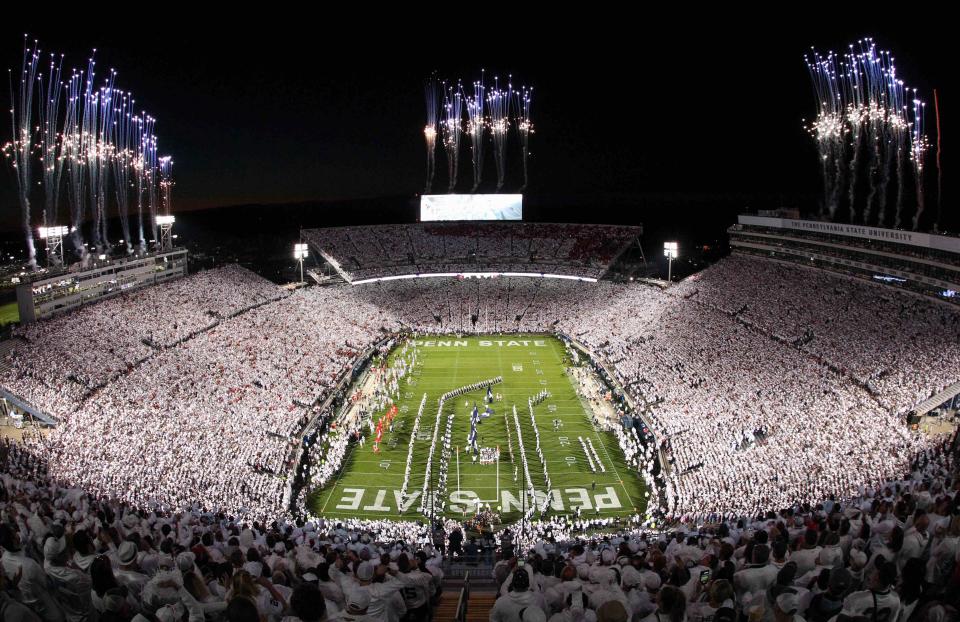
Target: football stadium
(479, 412)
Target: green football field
(9, 313)
(369, 484)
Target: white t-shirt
(887, 604)
(267, 605)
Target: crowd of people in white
(890, 553)
(56, 364)
(210, 418)
(387, 250)
(209, 412)
(66, 556)
(897, 345)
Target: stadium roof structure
(362, 254)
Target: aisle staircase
(479, 606)
(7, 347)
(464, 604)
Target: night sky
(621, 107)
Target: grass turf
(9, 313)
(369, 483)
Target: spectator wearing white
(879, 597)
(519, 597)
(73, 586)
(28, 576)
(757, 577)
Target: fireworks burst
(90, 138)
(488, 112)
(868, 131)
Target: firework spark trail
(475, 126)
(918, 147)
(105, 153)
(73, 145)
(89, 148)
(901, 191)
(452, 130)
(524, 98)
(123, 139)
(430, 130)
(21, 148)
(166, 182)
(864, 123)
(142, 168)
(936, 110)
(855, 120)
(51, 142)
(889, 158)
(498, 103)
(153, 178)
(872, 67)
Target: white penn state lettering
(466, 500)
(579, 497)
(466, 497)
(351, 499)
(609, 500)
(378, 505)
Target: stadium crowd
(232, 395)
(69, 556)
(749, 418)
(56, 364)
(387, 250)
(902, 348)
(891, 552)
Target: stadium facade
(68, 289)
(924, 263)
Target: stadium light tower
(670, 252)
(166, 225)
(300, 252)
(53, 236)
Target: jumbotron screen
(471, 207)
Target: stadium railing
(464, 599)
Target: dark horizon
(634, 114)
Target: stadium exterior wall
(64, 291)
(912, 238)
